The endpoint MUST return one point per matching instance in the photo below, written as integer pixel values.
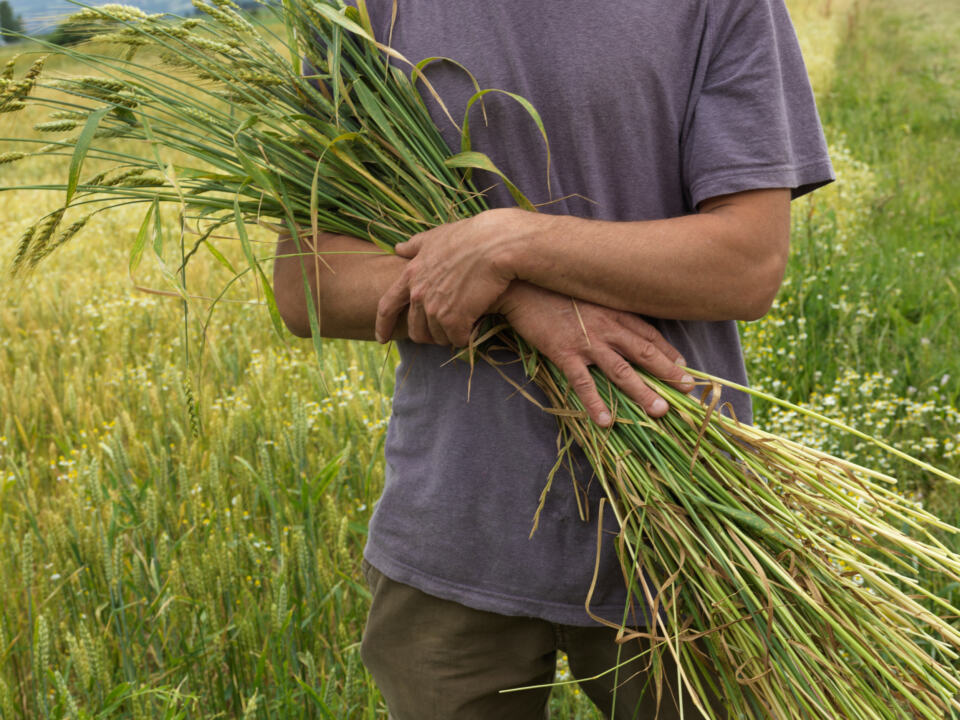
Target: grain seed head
(121, 38)
(177, 31)
(43, 643)
(225, 16)
(67, 115)
(67, 235)
(13, 93)
(44, 233)
(26, 559)
(6, 700)
(224, 48)
(34, 72)
(9, 67)
(11, 157)
(101, 83)
(261, 79)
(198, 115)
(145, 181)
(23, 246)
(112, 12)
(126, 174)
(56, 126)
(73, 711)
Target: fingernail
(604, 418)
(378, 337)
(681, 361)
(687, 380)
(659, 406)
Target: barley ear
(11, 157)
(9, 67)
(23, 247)
(44, 233)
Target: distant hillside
(42, 15)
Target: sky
(42, 14)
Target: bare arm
(726, 262)
(349, 286)
(347, 277)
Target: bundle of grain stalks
(795, 572)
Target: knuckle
(673, 373)
(648, 331)
(567, 363)
(444, 313)
(581, 383)
(641, 323)
(622, 370)
(646, 394)
(646, 352)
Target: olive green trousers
(438, 660)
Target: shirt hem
(489, 600)
(800, 179)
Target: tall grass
(864, 317)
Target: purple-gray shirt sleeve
(753, 122)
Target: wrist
(518, 293)
(512, 233)
(507, 301)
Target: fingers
(418, 329)
(458, 326)
(617, 348)
(438, 333)
(389, 308)
(648, 332)
(652, 359)
(624, 376)
(408, 249)
(581, 382)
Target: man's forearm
(696, 267)
(347, 277)
(724, 263)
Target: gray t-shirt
(650, 108)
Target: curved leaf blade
(473, 160)
(80, 150)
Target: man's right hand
(575, 334)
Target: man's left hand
(451, 280)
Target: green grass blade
(255, 265)
(136, 252)
(80, 150)
(465, 142)
(479, 161)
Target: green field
(183, 501)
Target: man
(678, 133)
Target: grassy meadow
(184, 497)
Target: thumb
(407, 249)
